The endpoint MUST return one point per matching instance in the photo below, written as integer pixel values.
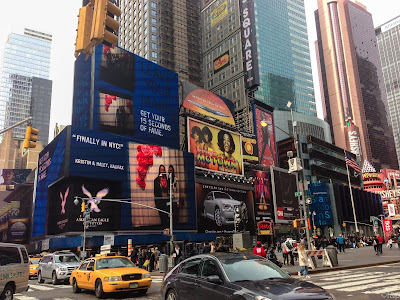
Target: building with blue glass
(279, 51)
(25, 88)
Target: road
(47, 291)
(379, 282)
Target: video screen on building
(13, 176)
(157, 175)
(215, 149)
(262, 197)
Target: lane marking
(371, 286)
(41, 288)
(353, 276)
(383, 291)
(356, 283)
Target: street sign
(297, 194)
(302, 231)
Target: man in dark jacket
(134, 254)
(177, 255)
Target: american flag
(351, 162)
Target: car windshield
(35, 261)
(113, 262)
(243, 269)
(66, 258)
(220, 195)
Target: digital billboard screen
(215, 208)
(157, 173)
(214, 148)
(284, 187)
(13, 176)
(264, 129)
(263, 198)
(321, 203)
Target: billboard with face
(13, 176)
(156, 175)
(216, 205)
(127, 95)
(262, 197)
(214, 148)
(207, 103)
(284, 187)
(65, 216)
(264, 129)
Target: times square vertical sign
(249, 44)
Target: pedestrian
(212, 247)
(390, 243)
(303, 261)
(340, 243)
(398, 242)
(134, 255)
(157, 258)
(259, 250)
(152, 261)
(206, 248)
(177, 255)
(287, 249)
(140, 258)
(380, 243)
(375, 244)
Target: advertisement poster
(388, 228)
(216, 205)
(264, 129)
(321, 203)
(65, 216)
(207, 103)
(131, 96)
(262, 197)
(158, 174)
(13, 176)
(391, 210)
(218, 14)
(214, 148)
(249, 147)
(51, 166)
(222, 62)
(284, 187)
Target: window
(153, 37)
(153, 21)
(154, 54)
(306, 164)
(9, 255)
(154, 46)
(191, 267)
(84, 265)
(25, 255)
(153, 5)
(90, 267)
(153, 13)
(153, 29)
(304, 147)
(210, 268)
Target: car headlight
(262, 298)
(227, 207)
(62, 268)
(112, 278)
(146, 276)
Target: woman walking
(303, 261)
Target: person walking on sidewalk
(340, 243)
(287, 249)
(380, 243)
(390, 243)
(303, 261)
(259, 250)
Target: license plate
(133, 285)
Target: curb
(316, 271)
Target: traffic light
(344, 224)
(296, 223)
(85, 20)
(30, 137)
(104, 25)
(83, 207)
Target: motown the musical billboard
(215, 149)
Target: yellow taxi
(108, 274)
(33, 266)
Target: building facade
(354, 93)
(388, 37)
(282, 59)
(25, 81)
(165, 32)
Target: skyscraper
(25, 86)
(281, 55)
(352, 79)
(388, 36)
(166, 32)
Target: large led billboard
(215, 149)
(263, 198)
(156, 175)
(13, 176)
(264, 129)
(284, 187)
(207, 103)
(321, 203)
(119, 92)
(216, 205)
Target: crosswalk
(365, 281)
(47, 287)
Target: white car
(220, 207)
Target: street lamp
(313, 224)
(85, 212)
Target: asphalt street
(47, 291)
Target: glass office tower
(26, 57)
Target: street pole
(84, 228)
(351, 196)
(170, 214)
(16, 124)
(313, 225)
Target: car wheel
(99, 289)
(142, 292)
(39, 277)
(171, 295)
(54, 279)
(218, 216)
(75, 287)
(8, 293)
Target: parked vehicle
(235, 276)
(106, 274)
(57, 266)
(14, 270)
(220, 207)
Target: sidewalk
(351, 259)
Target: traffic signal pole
(16, 124)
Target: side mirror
(214, 279)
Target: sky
(59, 18)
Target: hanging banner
(263, 199)
(388, 228)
